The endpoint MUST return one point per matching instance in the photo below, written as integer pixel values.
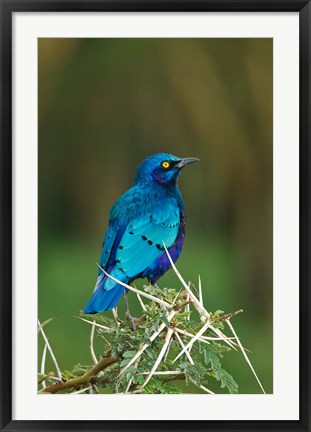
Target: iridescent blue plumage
(149, 214)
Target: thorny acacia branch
(90, 378)
(169, 309)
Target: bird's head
(162, 167)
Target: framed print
(155, 215)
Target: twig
(168, 350)
(175, 372)
(193, 297)
(195, 337)
(131, 379)
(191, 362)
(135, 290)
(141, 303)
(115, 315)
(227, 316)
(106, 340)
(202, 317)
(145, 346)
(92, 343)
(183, 346)
(201, 338)
(202, 387)
(187, 308)
(200, 291)
(198, 308)
(160, 356)
(88, 378)
(140, 390)
(50, 350)
(45, 323)
(52, 378)
(42, 370)
(176, 297)
(94, 323)
(80, 391)
(207, 338)
(244, 354)
(96, 389)
(178, 376)
(196, 301)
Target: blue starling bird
(147, 215)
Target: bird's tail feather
(102, 299)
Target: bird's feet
(128, 316)
(131, 320)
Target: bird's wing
(142, 241)
(108, 243)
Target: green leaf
(207, 356)
(219, 312)
(195, 371)
(227, 381)
(151, 353)
(124, 362)
(129, 354)
(164, 319)
(212, 353)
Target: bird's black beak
(186, 161)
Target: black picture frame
(7, 9)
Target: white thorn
(141, 302)
(183, 347)
(245, 355)
(196, 301)
(201, 338)
(92, 343)
(42, 371)
(200, 291)
(50, 351)
(94, 324)
(115, 315)
(152, 338)
(191, 342)
(187, 307)
(135, 290)
(160, 356)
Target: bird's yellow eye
(165, 164)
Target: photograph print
(155, 216)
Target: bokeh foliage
(104, 105)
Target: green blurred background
(106, 104)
